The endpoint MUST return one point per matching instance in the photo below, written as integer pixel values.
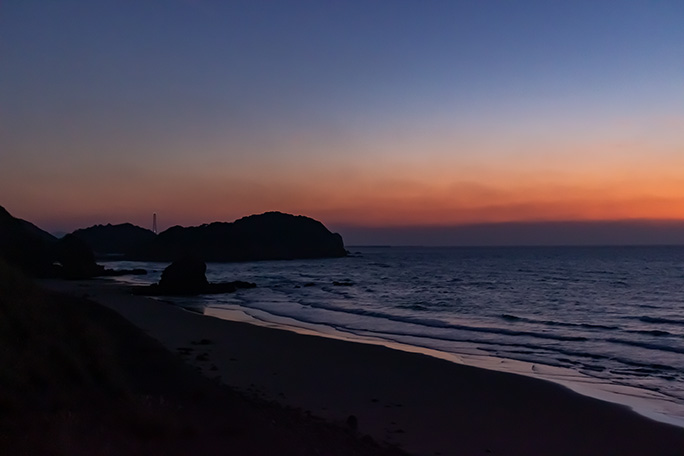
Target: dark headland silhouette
(267, 236)
(110, 240)
(25, 245)
(40, 254)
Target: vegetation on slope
(78, 379)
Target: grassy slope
(77, 379)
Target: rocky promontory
(40, 254)
(115, 240)
(268, 236)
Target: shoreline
(654, 407)
(423, 404)
(619, 355)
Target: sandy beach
(424, 405)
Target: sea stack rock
(185, 276)
(76, 258)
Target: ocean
(605, 321)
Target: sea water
(605, 321)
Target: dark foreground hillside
(78, 379)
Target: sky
(374, 117)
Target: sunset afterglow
(383, 115)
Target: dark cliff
(40, 254)
(26, 245)
(122, 239)
(268, 236)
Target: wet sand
(425, 405)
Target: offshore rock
(76, 259)
(187, 277)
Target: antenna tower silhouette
(154, 223)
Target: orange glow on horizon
(361, 202)
(592, 183)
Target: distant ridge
(122, 239)
(267, 236)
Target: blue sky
(362, 114)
